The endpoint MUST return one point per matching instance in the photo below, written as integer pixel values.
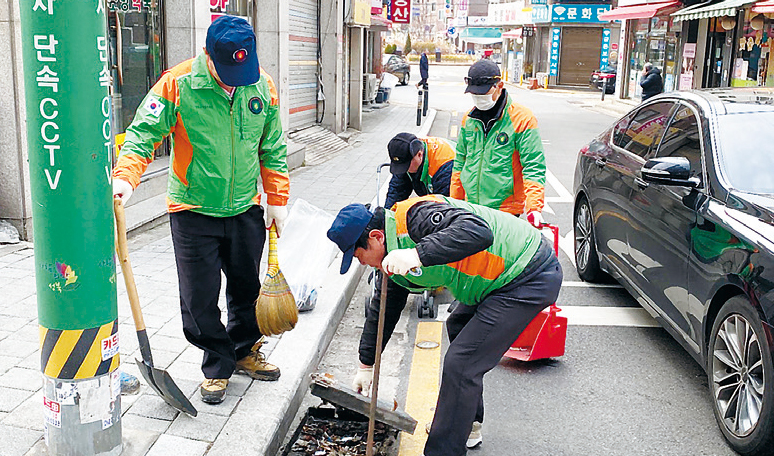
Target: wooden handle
(273, 262)
(122, 248)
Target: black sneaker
(213, 390)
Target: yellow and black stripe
(77, 353)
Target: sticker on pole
(53, 412)
(109, 347)
(154, 106)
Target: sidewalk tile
(171, 344)
(187, 371)
(137, 442)
(144, 423)
(205, 426)
(225, 408)
(11, 398)
(10, 323)
(26, 379)
(167, 444)
(21, 348)
(15, 441)
(238, 384)
(30, 332)
(30, 362)
(152, 406)
(29, 414)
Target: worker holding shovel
(499, 265)
(222, 112)
(422, 166)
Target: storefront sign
(539, 2)
(577, 13)
(376, 7)
(361, 12)
(556, 34)
(540, 14)
(399, 11)
(604, 52)
(527, 31)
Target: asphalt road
(624, 386)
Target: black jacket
(423, 67)
(651, 83)
(458, 234)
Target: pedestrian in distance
(423, 166)
(222, 112)
(651, 81)
(423, 70)
(500, 161)
(501, 268)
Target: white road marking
(564, 195)
(573, 284)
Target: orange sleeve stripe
(401, 209)
(177, 207)
(183, 152)
(535, 196)
(456, 190)
(276, 185)
(484, 264)
(439, 152)
(521, 118)
(272, 88)
(167, 88)
(130, 168)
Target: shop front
(753, 65)
(650, 35)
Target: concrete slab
(204, 427)
(170, 444)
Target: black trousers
(205, 246)
(479, 336)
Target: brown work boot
(213, 390)
(255, 365)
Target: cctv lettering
(47, 79)
(103, 78)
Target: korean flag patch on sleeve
(154, 106)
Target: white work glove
(535, 218)
(122, 189)
(276, 215)
(401, 261)
(363, 380)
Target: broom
(275, 308)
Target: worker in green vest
(499, 266)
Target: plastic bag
(389, 81)
(305, 252)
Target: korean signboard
(400, 11)
(578, 13)
(604, 52)
(540, 14)
(556, 35)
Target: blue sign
(540, 14)
(451, 31)
(538, 2)
(577, 13)
(605, 51)
(556, 34)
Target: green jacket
(471, 279)
(503, 168)
(222, 146)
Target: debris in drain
(335, 431)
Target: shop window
(752, 63)
(645, 129)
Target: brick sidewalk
(151, 427)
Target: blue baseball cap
(346, 229)
(231, 46)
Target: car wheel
(404, 81)
(586, 258)
(741, 378)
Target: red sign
(614, 46)
(401, 11)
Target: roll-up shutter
(580, 54)
(303, 63)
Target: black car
(398, 66)
(604, 77)
(676, 202)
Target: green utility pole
(67, 77)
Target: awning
(379, 21)
(515, 33)
(705, 11)
(763, 7)
(640, 11)
(481, 35)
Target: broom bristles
(275, 308)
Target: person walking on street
(500, 162)
(421, 165)
(651, 81)
(501, 268)
(423, 70)
(222, 112)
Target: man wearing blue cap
(222, 112)
(501, 268)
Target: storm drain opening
(333, 430)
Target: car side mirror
(669, 171)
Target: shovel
(158, 379)
(377, 368)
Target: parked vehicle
(398, 66)
(676, 202)
(598, 78)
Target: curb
(298, 353)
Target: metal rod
(377, 366)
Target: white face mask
(483, 102)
